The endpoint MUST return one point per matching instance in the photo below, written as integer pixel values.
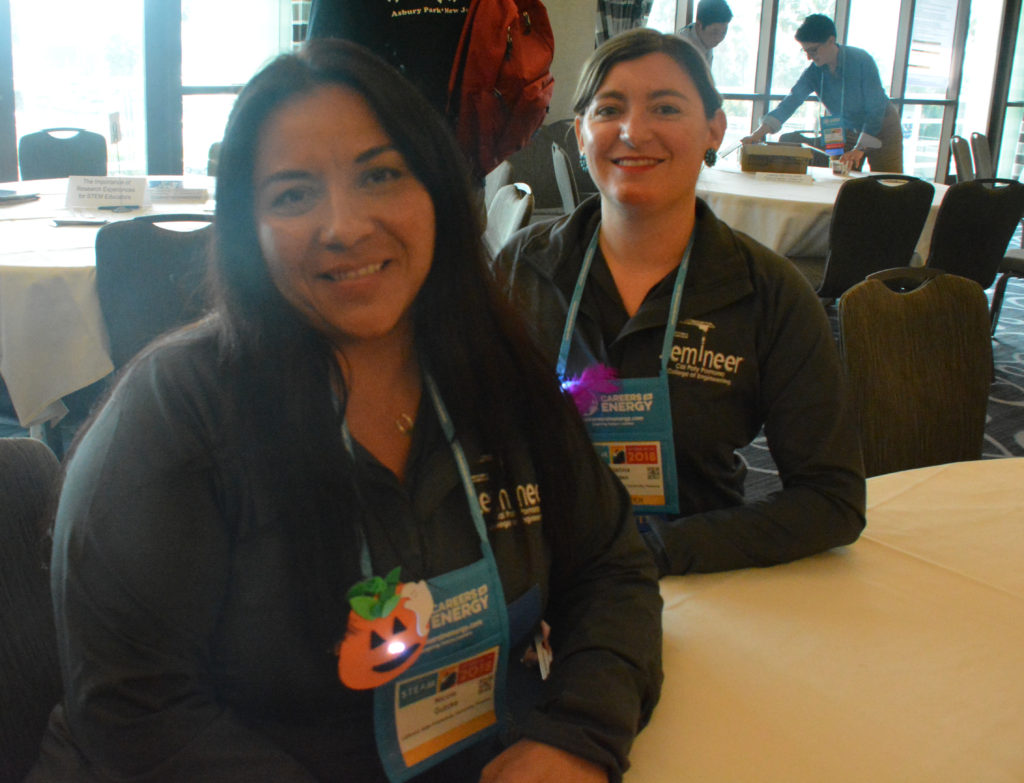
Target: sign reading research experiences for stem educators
(105, 192)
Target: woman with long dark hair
(341, 528)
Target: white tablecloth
(789, 217)
(52, 337)
(900, 658)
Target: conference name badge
(834, 135)
(632, 431)
(451, 693)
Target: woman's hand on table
(528, 761)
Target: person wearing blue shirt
(846, 81)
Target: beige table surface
(899, 658)
(790, 218)
(52, 337)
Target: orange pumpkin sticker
(387, 628)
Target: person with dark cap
(847, 83)
(710, 28)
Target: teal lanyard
(577, 297)
(365, 564)
(842, 89)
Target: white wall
(573, 23)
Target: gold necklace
(404, 424)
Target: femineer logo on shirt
(700, 361)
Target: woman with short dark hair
(341, 528)
(712, 335)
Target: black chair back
(41, 155)
(974, 226)
(30, 681)
(150, 279)
(876, 223)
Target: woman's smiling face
(347, 231)
(645, 134)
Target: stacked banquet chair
(510, 210)
(961, 150)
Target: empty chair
(975, 224)
(510, 210)
(981, 154)
(495, 179)
(43, 155)
(961, 150)
(875, 225)
(564, 177)
(30, 683)
(149, 279)
(919, 367)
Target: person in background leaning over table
(315, 536)
(846, 81)
(710, 28)
(712, 335)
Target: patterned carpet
(1004, 429)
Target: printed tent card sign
(113, 193)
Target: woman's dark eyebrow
(373, 152)
(619, 96)
(668, 93)
(294, 174)
(287, 174)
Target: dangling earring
(583, 162)
(710, 157)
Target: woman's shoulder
(182, 357)
(739, 261)
(546, 245)
(178, 382)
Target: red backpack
(500, 85)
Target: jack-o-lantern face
(379, 647)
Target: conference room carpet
(1004, 427)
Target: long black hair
(494, 383)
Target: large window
(936, 58)
(1011, 151)
(212, 72)
(73, 68)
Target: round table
(52, 337)
(782, 212)
(899, 658)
